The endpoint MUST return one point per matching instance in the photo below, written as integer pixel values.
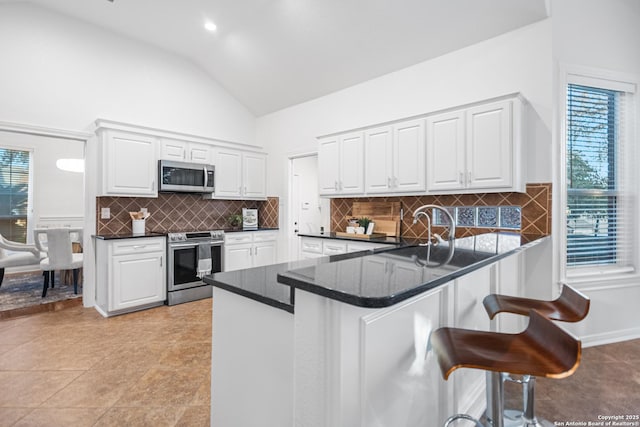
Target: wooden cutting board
(386, 216)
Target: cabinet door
(351, 164)
(328, 165)
(171, 149)
(228, 174)
(199, 153)
(254, 171)
(446, 168)
(264, 253)
(130, 165)
(489, 146)
(137, 279)
(409, 156)
(237, 257)
(378, 163)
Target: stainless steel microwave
(185, 177)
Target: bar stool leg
(496, 388)
(510, 417)
(528, 398)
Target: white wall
(59, 72)
(57, 194)
(519, 61)
(603, 35)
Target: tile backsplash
(172, 212)
(533, 207)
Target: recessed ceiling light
(210, 26)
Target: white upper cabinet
(341, 164)
(490, 160)
(476, 148)
(379, 160)
(240, 175)
(183, 151)
(129, 166)
(351, 164)
(254, 175)
(395, 158)
(228, 173)
(328, 165)
(445, 151)
(408, 156)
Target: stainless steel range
(192, 256)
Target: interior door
(306, 205)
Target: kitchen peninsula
(343, 340)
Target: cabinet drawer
(333, 248)
(130, 246)
(264, 236)
(233, 238)
(311, 246)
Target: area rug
(20, 291)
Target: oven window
(185, 262)
(182, 176)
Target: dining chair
(60, 255)
(14, 254)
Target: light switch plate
(105, 213)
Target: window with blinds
(595, 214)
(14, 193)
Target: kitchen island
(343, 340)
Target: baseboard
(610, 337)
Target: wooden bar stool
(570, 306)
(543, 349)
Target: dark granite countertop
(127, 236)
(376, 278)
(261, 284)
(389, 276)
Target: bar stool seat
(571, 305)
(543, 349)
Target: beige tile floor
(152, 368)
(75, 368)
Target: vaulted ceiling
(271, 54)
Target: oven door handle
(192, 244)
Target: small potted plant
(364, 223)
(235, 220)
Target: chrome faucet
(421, 211)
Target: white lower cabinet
(249, 249)
(314, 247)
(131, 274)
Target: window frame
(622, 82)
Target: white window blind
(596, 210)
(14, 193)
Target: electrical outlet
(105, 213)
(143, 210)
